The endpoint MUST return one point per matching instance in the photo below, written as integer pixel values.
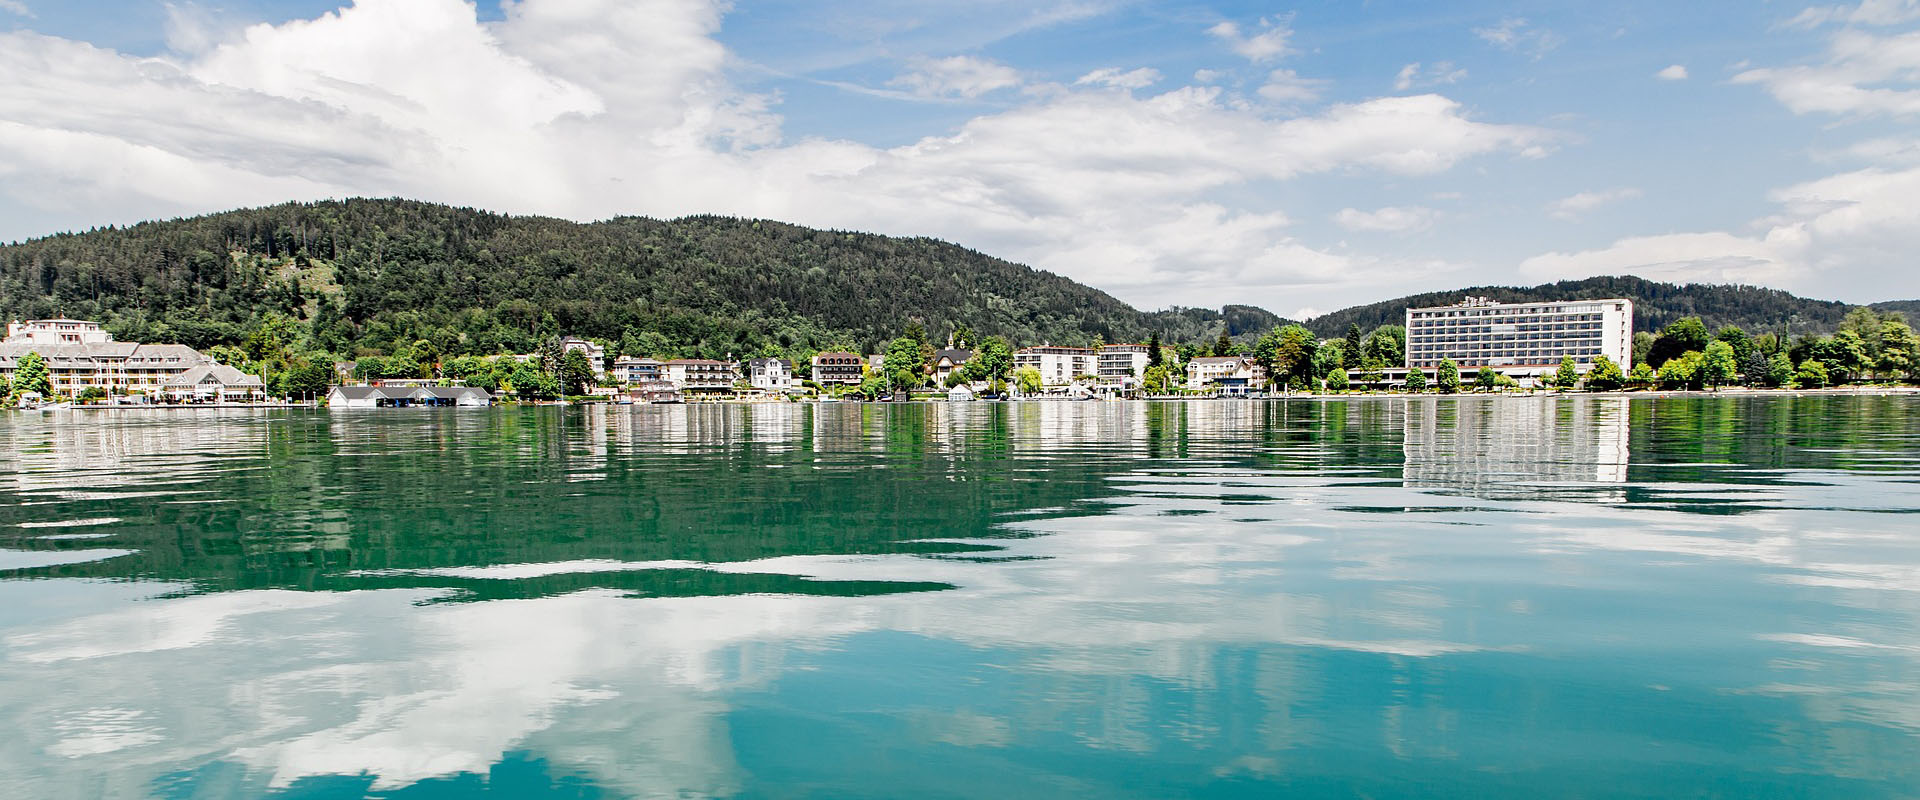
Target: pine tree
(1154, 358)
(1350, 354)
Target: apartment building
(1523, 340)
(1123, 364)
(1058, 366)
(80, 355)
(631, 370)
(56, 331)
(834, 367)
(701, 375)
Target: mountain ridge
(369, 275)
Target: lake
(1447, 597)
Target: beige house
(215, 383)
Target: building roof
(215, 373)
(953, 354)
(1487, 302)
(1218, 360)
(834, 353)
(761, 362)
(413, 392)
(1058, 349)
(699, 362)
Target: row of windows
(1487, 326)
(1586, 310)
(1580, 336)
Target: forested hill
(365, 276)
(1654, 305)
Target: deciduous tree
(1717, 367)
(1605, 376)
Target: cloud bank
(591, 108)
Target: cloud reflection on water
(1229, 566)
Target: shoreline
(1904, 391)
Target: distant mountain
(1910, 308)
(1654, 305)
(368, 275)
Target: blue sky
(1298, 157)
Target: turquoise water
(1580, 597)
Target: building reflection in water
(82, 451)
(1511, 448)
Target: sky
(1301, 158)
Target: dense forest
(361, 278)
(1655, 305)
(371, 277)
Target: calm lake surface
(1576, 597)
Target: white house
(596, 355)
(1225, 374)
(770, 374)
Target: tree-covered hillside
(1654, 305)
(374, 276)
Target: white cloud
(1113, 76)
(1868, 12)
(1208, 75)
(1392, 219)
(1885, 151)
(1441, 73)
(1677, 72)
(1827, 230)
(18, 7)
(1515, 35)
(1269, 42)
(1572, 207)
(586, 109)
(1865, 74)
(1286, 86)
(956, 76)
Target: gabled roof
(410, 392)
(953, 354)
(215, 373)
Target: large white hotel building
(1524, 340)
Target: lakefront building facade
(1058, 366)
(1123, 364)
(1523, 340)
(80, 355)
